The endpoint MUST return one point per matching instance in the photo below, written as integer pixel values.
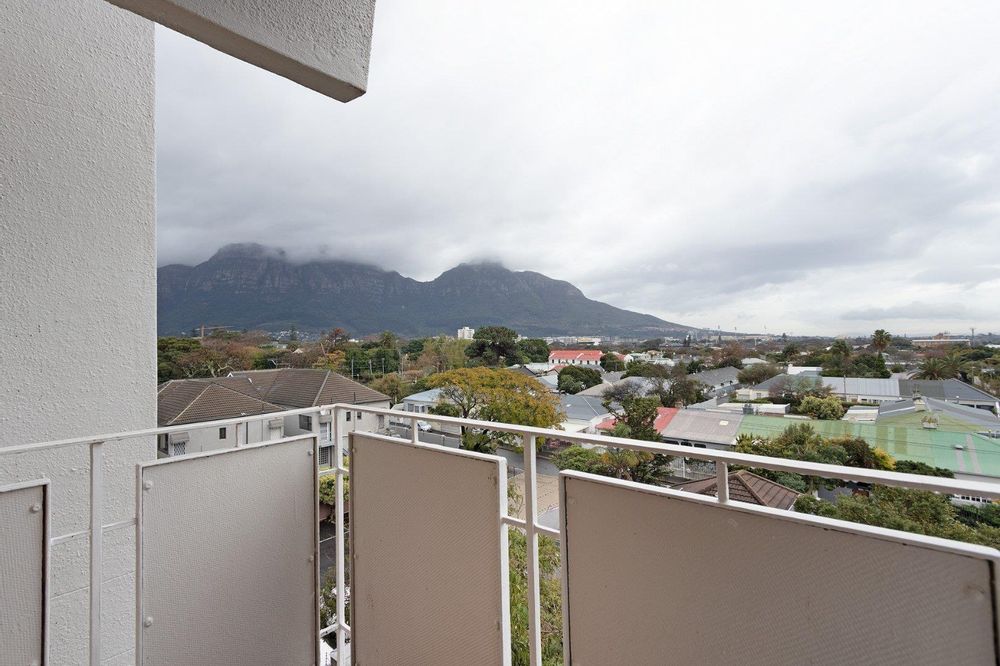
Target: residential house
(703, 429)
(663, 417)
(718, 381)
(585, 357)
(583, 413)
(745, 486)
(194, 401)
(295, 388)
(875, 391)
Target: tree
(550, 594)
(838, 362)
(828, 408)
(496, 395)
(442, 354)
(682, 389)
(575, 378)
(757, 373)
(914, 467)
(932, 368)
(494, 346)
(644, 369)
(168, 351)
(881, 340)
(581, 459)
(393, 386)
(612, 362)
(916, 511)
(534, 350)
(802, 442)
(638, 417)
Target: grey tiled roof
(304, 387)
(197, 400)
(745, 486)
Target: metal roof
(960, 452)
(703, 426)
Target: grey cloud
(658, 177)
(914, 311)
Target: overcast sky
(788, 166)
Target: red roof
(663, 418)
(564, 355)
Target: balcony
(225, 552)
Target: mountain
(251, 286)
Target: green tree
(575, 378)
(635, 414)
(550, 594)
(916, 511)
(168, 351)
(914, 467)
(497, 395)
(534, 350)
(393, 386)
(757, 373)
(612, 362)
(932, 368)
(581, 459)
(494, 346)
(881, 340)
(828, 408)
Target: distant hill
(251, 286)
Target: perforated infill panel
(226, 558)
(652, 576)
(428, 555)
(22, 574)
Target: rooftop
(745, 486)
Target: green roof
(979, 455)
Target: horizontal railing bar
(514, 522)
(161, 430)
(110, 527)
(547, 530)
(918, 481)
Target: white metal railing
(532, 528)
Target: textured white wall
(77, 282)
(321, 45)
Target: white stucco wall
(321, 45)
(77, 283)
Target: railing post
(414, 431)
(722, 481)
(96, 546)
(338, 457)
(531, 533)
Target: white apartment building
(466, 333)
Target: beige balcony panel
(227, 561)
(23, 578)
(653, 575)
(322, 45)
(430, 577)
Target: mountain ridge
(253, 286)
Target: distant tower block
(466, 333)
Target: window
(222, 433)
(348, 416)
(324, 431)
(359, 416)
(305, 422)
(180, 447)
(324, 455)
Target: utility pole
(972, 340)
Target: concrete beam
(324, 45)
